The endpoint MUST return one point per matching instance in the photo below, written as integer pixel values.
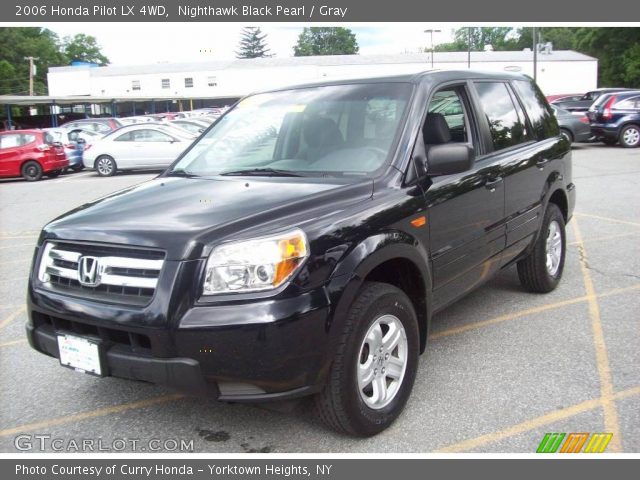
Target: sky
(139, 43)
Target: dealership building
(558, 72)
(135, 89)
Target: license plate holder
(81, 354)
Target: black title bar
(329, 11)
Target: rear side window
(505, 125)
(9, 141)
(632, 103)
(541, 117)
(16, 140)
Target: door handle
(492, 183)
(541, 163)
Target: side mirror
(449, 158)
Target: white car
(137, 146)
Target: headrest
(321, 132)
(435, 130)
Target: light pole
(431, 31)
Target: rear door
(10, 154)
(527, 145)
(466, 210)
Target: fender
(351, 271)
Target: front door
(466, 210)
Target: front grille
(121, 275)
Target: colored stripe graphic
(598, 442)
(550, 443)
(574, 443)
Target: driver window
(447, 109)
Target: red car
(30, 154)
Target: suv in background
(616, 118)
(302, 244)
(583, 104)
(30, 154)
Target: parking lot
(503, 366)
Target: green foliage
(326, 41)
(617, 49)
(20, 42)
(84, 48)
(252, 43)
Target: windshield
(329, 130)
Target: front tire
(541, 270)
(630, 136)
(106, 166)
(374, 369)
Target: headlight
(254, 265)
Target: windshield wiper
(262, 172)
(181, 172)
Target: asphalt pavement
(503, 366)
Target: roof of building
(329, 60)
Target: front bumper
(253, 351)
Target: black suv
(303, 243)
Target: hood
(184, 216)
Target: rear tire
(374, 369)
(630, 136)
(541, 270)
(31, 171)
(567, 134)
(105, 166)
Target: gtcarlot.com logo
(574, 443)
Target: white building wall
(554, 77)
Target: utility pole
(469, 47)
(534, 34)
(431, 31)
(31, 73)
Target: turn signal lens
(255, 265)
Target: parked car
(101, 125)
(73, 145)
(31, 154)
(144, 146)
(302, 245)
(574, 128)
(583, 104)
(616, 118)
(564, 98)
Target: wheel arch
(395, 258)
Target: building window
(166, 83)
(135, 85)
(188, 82)
(212, 81)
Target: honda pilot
(302, 245)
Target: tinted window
(448, 103)
(505, 125)
(542, 120)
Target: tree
(253, 43)
(20, 42)
(500, 38)
(326, 41)
(84, 48)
